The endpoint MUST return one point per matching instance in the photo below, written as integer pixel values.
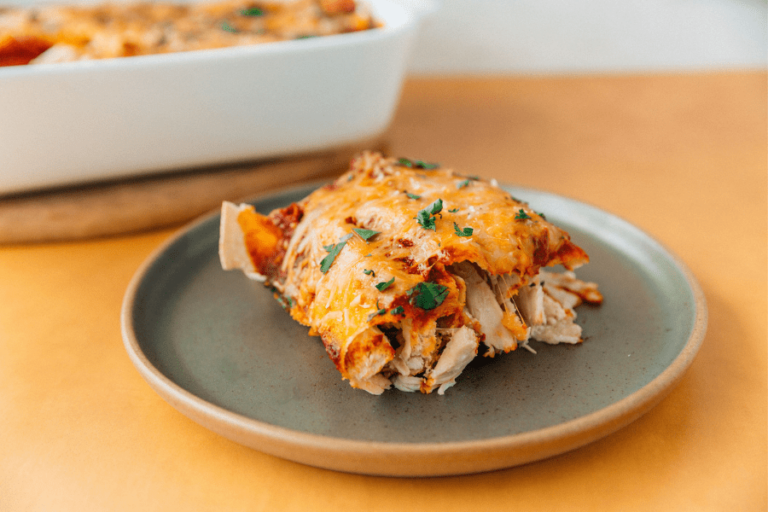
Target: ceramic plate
(222, 351)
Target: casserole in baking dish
(76, 122)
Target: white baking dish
(78, 122)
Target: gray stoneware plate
(223, 352)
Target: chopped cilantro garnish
(381, 311)
(426, 217)
(368, 255)
(365, 234)
(385, 284)
(333, 251)
(428, 295)
(453, 210)
(436, 207)
(412, 196)
(462, 232)
(474, 178)
(369, 272)
(227, 27)
(462, 184)
(285, 302)
(376, 313)
(426, 220)
(417, 164)
(399, 310)
(308, 36)
(521, 215)
(542, 215)
(253, 11)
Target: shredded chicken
(484, 306)
(459, 351)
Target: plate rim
(402, 458)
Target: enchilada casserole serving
(407, 270)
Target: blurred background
(591, 36)
(582, 36)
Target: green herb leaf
(462, 184)
(542, 215)
(385, 284)
(368, 255)
(399, 310)
(462, 232)
(253, 11)
(369, 272)
(227, 27)
(412, 196)
(333, 251)
(426, 217)
(436, 207)
(376, 313)
(426, 220)
(365, 234)
(308, 36)
(521, 215)
(428, 295)
(381, 311)
(417, 164)
(284, 301)
(453, 210)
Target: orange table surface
(681, 156)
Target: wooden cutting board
(158, 201)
